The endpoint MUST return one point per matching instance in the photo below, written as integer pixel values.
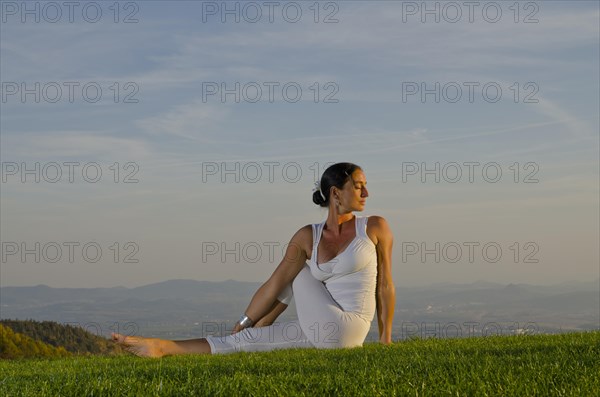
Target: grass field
(534, 365)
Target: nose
(365, 192)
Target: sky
(144, 141)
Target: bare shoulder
(305, 232)
(303, 238)
(376, 221)
(378, 229)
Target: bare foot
(138, 345)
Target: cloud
(191, 121)
(62, 145)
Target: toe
(118, 337)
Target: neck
(334, 220)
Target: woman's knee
(301, 277)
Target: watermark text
(68, 91)
(68, 251)
(68, 171)
(69, 11)
(269, 11)
(471, 251)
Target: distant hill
(171, 289)
(158, 307)
(189, 309)
(65, 338)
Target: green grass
(535, 365)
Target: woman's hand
(236, 328)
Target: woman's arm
(385, 292)
(264, 303)
(277, 308)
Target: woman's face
(354, 194)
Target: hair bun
(318, 198)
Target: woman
(347, 278)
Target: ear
(334, 192)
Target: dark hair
(335, 175)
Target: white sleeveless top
(350, 277)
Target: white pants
(321, 323)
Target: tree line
(30, 338)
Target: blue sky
(366, 61)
